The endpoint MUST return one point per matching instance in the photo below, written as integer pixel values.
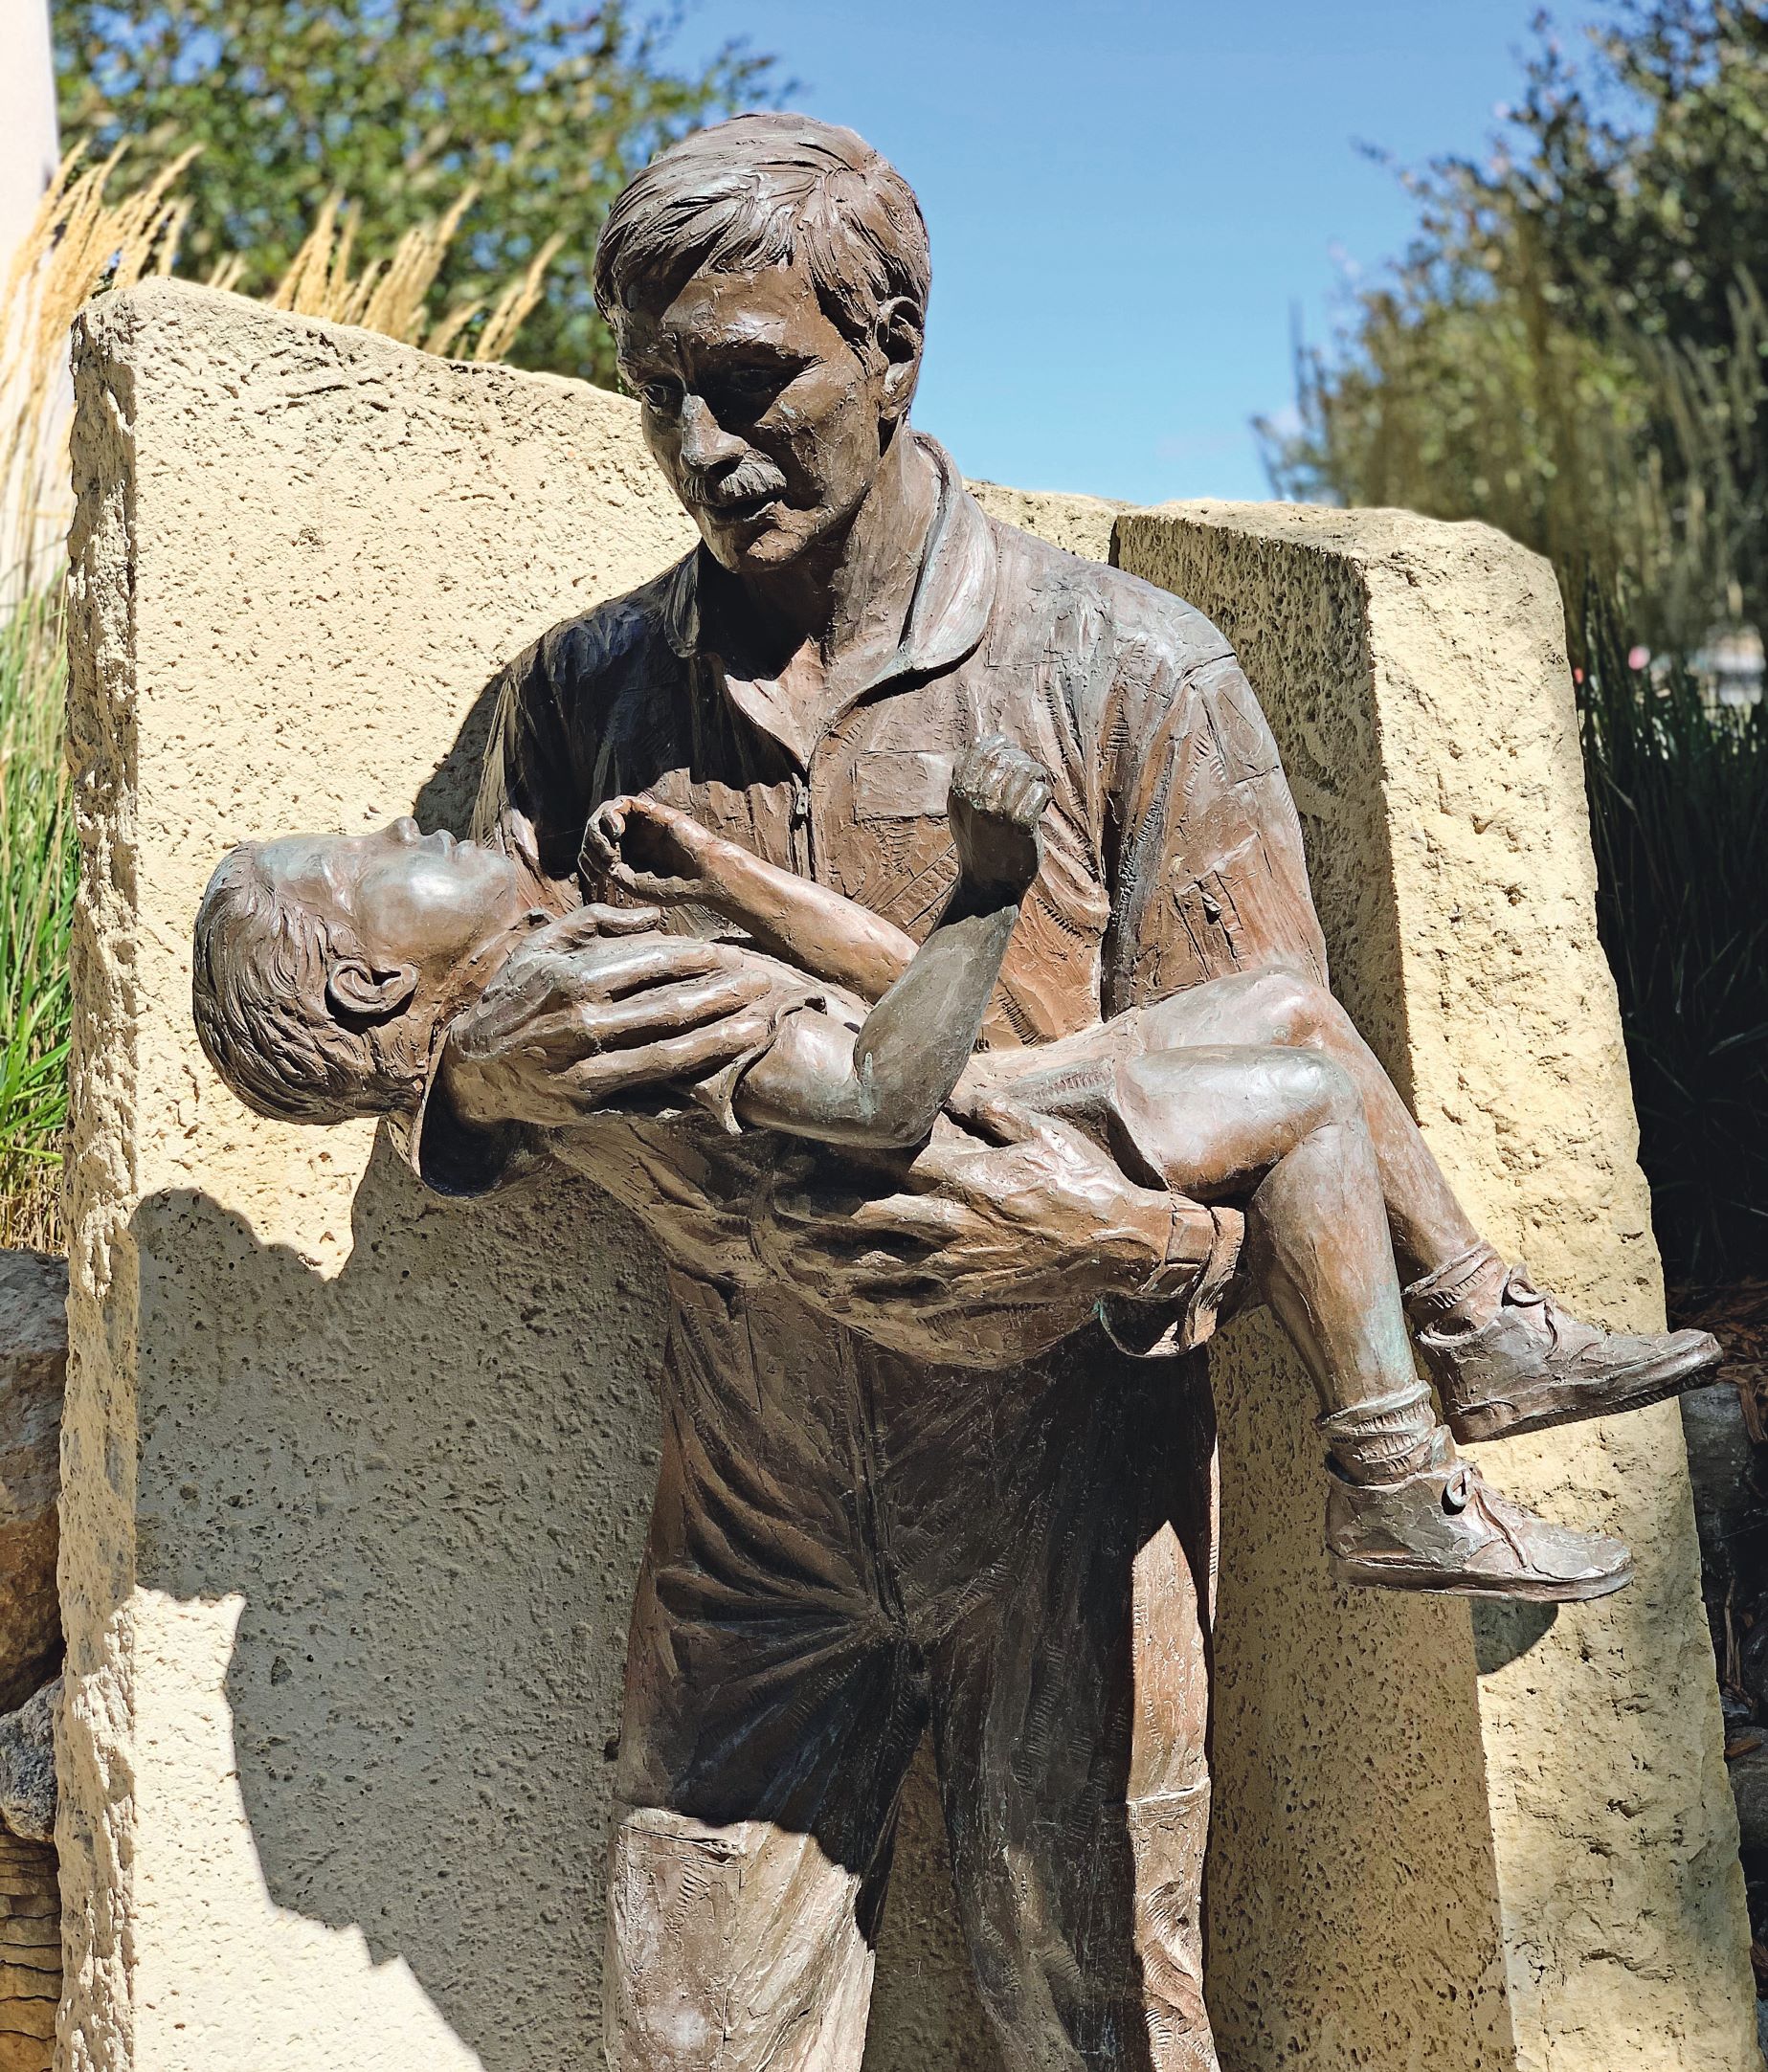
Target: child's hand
(998, 794)
(649, 851)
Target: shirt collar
(953, 596)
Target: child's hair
(258, 992)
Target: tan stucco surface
(354, 1479)
(1078, 524)
(1504, 1841)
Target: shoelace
(1521, 1293)
(1461, 1490)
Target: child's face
(422, 902)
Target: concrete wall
(1506, 1839)
(354, 1479)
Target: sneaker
(1446, 1530)
(1532, 1365)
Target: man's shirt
(1172, 853)
(1173, 857)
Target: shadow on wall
(423, 1712)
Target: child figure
(329, 969)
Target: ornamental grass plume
(78, 241)
(81, 242)
(391, 294)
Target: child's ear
(369, 992)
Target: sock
(1386, 1439)
(1461, 1296)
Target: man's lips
(750, 506)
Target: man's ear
(901, 332)
(369, 992)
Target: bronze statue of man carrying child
(910, 922)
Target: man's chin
(755, 547)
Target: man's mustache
(754, 476)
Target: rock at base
(33, 1360)
(30, 1954)
(28, 1767)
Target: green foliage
(38, 874)
(1644, 173)
(1679, 814)
(1573, 347)
(399, 106)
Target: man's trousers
(847, 1550)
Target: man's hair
(764, 190)
(258, 989)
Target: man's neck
(853, 602)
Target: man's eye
(660, 395)
(755, 387)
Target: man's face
(767, 420)
(422, 901)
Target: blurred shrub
(542, 111)
(1574, 349)
(1679, 815)
(1573, 346)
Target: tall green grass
(37, 872)
(1679, 815)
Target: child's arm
(883, 1085)
(653, 852)
(879, 1086)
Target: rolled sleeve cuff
(717, 1093)
(1178, 1308)
(454, 1157)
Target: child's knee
(1295, 1009)
(1320, 1092)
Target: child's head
(325, 963)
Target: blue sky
(1128, 198)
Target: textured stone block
(1504, 1841)
(30, 1954)
(355, 1479)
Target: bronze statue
(764, 848)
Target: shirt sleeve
(1201, 840)
(529, 764)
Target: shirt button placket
(803, 846)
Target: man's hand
(582, 1014)
(982, 1253)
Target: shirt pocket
(901, 784)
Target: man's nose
(706, 444)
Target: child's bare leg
(1284, 1132)
(1429, 1226)
(1506, 1358)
